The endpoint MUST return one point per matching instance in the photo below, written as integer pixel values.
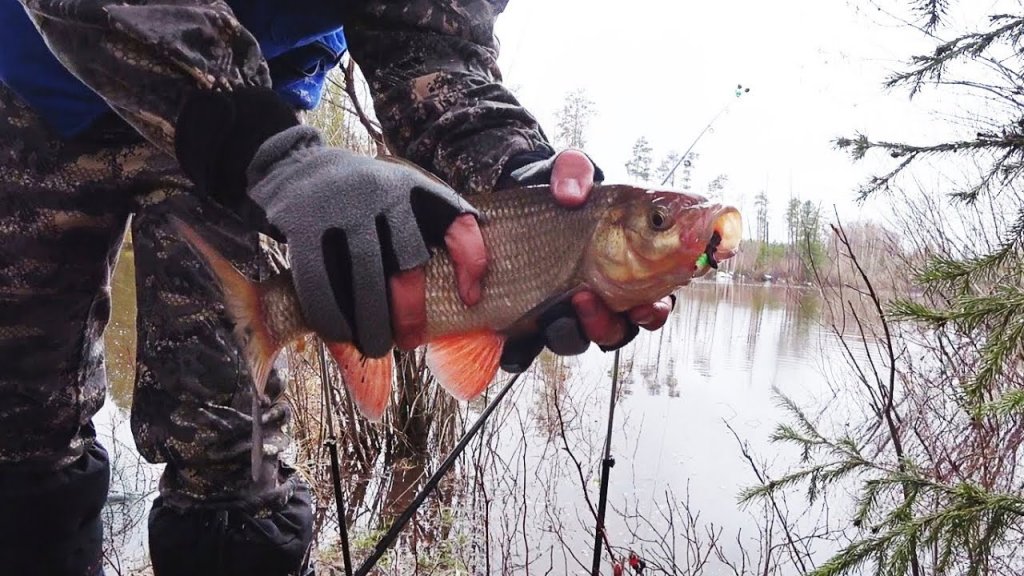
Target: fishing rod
(606, 467)
(740, 91)
(332, 447)
(399, 524)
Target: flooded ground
(518, 501)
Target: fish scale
(534, 249)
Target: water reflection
(119, 338)
(133, 481)
(518, 499)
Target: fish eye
(659, 219)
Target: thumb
(572, 177)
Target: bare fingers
(600, 324)
(652, 316)
(408, 308)
(606, 328)
(466, 246)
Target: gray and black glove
(350, 221)
(560, 329)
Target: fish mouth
(726, 232)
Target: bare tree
(574, 120)
(639, 165)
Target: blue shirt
(302, 41)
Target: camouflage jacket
(431, 67)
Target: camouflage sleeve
(431, 67)
(144, 59)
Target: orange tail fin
(242, 299)
(464, 364)
(368, 379)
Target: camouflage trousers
(65, 206)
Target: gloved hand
(561, 330)
(350, 221)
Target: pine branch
(931, 68)
(844, 455)
(933, 11)
(945, 272)
(967, 311)
(817, 477)
(971, 521)
(963, 523)
(906, 514)
(1001, 346)
(997, 317)
(868, 500)
(859, 146)
(1008, 404)
(1010, 143)
(1003, 169)
(789, 405)
(909, 310)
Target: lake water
(523, 509)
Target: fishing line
(399, 524)
(740, 91)
(332, 447)
(606, 466)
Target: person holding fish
(117, 113)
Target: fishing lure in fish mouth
(708, 257)
(628, 245)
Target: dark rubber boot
(50, 521)
(231, 542)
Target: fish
(629, 244)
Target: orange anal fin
(464, 364)
(368, 379)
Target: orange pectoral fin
(368, 379)
(465, 364)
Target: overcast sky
(664, 68)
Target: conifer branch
(936, 500)
(933, 11)
(930, 68)
(1008, 404)
(951, 273)
(971, 524)
(1010, 144)
(998, 318)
